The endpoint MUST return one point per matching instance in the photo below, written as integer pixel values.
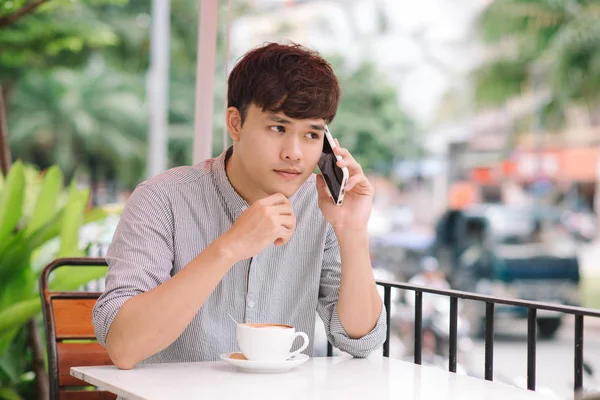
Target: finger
(360, 185)
(280, 209)
(348, 161)
(339, 152)
(274, 199)
(277, 198)
(355, 180)
(284, 236)
(287, 221)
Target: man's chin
(288, 190)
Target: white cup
(269, 342)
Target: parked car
(504, 251)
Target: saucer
(266, 367)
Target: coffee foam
(268, 326)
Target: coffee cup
(269, 342)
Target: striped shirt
(171, 218)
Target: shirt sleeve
(140, 256)
(328, 297)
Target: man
(251, 233)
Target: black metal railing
(490, 301)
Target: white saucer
(268, 367)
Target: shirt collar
(234, 201)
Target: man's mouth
(288, 173)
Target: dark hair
(284, 78)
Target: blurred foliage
(542, 45)
(59, 32)
(370, 121)
(91, 117)
(75, 75)
(35, 209)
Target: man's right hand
(269, 220)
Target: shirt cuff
(360, 347)
(103, 315)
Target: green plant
(541, 45)
(35, 210)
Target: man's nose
(292, 150)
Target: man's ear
(233, 119)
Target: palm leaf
(9, 394)
(72, 278)
(14, 257)
(7, 362)
(22, 285)
(11, 201)
(47, 199)
(18, 314)
(72, 221)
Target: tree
(117, 31)
(58, 32)
(370, 121)
(542, 45)
(38, 34)
(17, 10)
(93, 118)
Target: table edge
(74, 372)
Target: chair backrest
(70, 335)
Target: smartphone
(335, 177)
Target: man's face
(277, 152)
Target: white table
(320, 378)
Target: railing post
(531, 343)
(578, 352)
(489, 341)
(453, 334)
(418, 325)
(387, 296)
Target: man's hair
(284, 78)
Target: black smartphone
(335, 177)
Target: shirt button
(251, 304)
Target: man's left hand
(358, 199)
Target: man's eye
(312, 136)
(278, 128)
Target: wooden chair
(70, 335)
